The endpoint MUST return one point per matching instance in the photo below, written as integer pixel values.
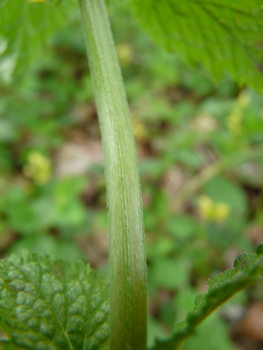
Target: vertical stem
(128, 307)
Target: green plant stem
(233, 159)
(128, 305)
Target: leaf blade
(52, 304)
(26, 28)
(224, 36)
(247, 271)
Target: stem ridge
(128, 298)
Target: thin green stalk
(128, 306)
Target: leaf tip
(241, 261)
(259, 250)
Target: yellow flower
(212, 211)
(205, 206)
(221, 212)
(244, 99)
(38, 168)
(235, 120)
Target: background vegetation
(201, 163)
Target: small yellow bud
(124, 52)
(38, 168)
(139, 129)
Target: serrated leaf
(223, 35)
(52, 304)
(247, 270)
(26, 28)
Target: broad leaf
(247, 270)
(52, 304)
(25, 28)
(223, 35)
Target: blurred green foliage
(200, 159)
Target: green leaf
(222, 190)
(212, 334)
(52, 304)
(247, 270)
(223, 35)
(164, 276)
(25, 29)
